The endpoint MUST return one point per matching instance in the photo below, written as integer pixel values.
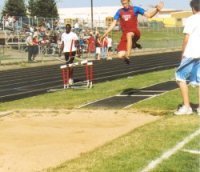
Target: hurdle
(88, 73)
(65, 72)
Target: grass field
(132, 152)
(135, 150)
(154, 35)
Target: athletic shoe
(127, 60)
(139, 46)
(183, 110)
(198, 111)
(136, 45)
(71, 81)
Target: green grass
(157, 35)
(133, 152)
(183, 161)
(74, 98)
(195, 144)
(153, 35)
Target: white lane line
(151, 97)
(155, 95)
(192, 151)
(170, 152)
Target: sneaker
(183, 110)
(127, 60)
(71, 81)
(139, 46)
(135, 44)
(198, 111)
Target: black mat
(131, 96)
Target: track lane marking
(170, 152)
(192, 151)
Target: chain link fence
(154, 35)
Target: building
(171, 18)
(180, 17)
(102, 16)
(84, 14)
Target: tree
(14, 8)
(41, 8)
(31, 8)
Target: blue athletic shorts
(189, 71)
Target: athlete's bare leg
(129, 36)
(122, 54)
(184, 93)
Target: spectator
(53, 43)
(47, 25)
(109, 48)
(35, 46)
(10, 21)
(189, 69)
(76, 27)
(98, 46)
(91, 44)
(31, 29)
(104, 47)
(6, 22)
(29, 43)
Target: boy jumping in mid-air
(127, 17)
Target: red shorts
(123, 42)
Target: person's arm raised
(153, 12)
(113, 24)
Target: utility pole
(92, 14)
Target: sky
(146, 4)
(171, 4)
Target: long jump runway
(21, 83)
(131, 96)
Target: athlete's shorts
(98, 50)
(110, 49)
(123, 42)
(189, 71)
(69, 57)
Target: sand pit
(33, 140)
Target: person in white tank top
(189, 69)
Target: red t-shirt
(91, 44)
